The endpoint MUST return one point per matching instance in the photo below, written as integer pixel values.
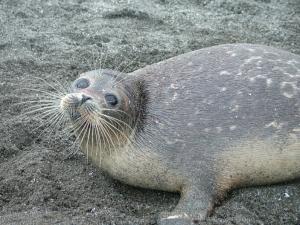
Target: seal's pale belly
(148, 173)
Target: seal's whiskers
(42, 103)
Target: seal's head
(105, 108)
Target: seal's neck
(139, 96)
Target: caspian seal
(201, 123)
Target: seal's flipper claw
(166, 221)
(178, 219)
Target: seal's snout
(71, 103)
(85, 98)
(74, 100)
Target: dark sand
(58, 39)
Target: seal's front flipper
(194, 206)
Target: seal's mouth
(75, 105)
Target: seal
(201, 123)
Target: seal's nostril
(84, 98)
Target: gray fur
(209, 113)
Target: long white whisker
(48, 84)
(39, 110)
(54, 124)
(48, 93)
(116, 120)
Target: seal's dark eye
(111, 99)
(82, 83)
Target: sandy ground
(58, 39)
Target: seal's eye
(111, 99)
(82, 83)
